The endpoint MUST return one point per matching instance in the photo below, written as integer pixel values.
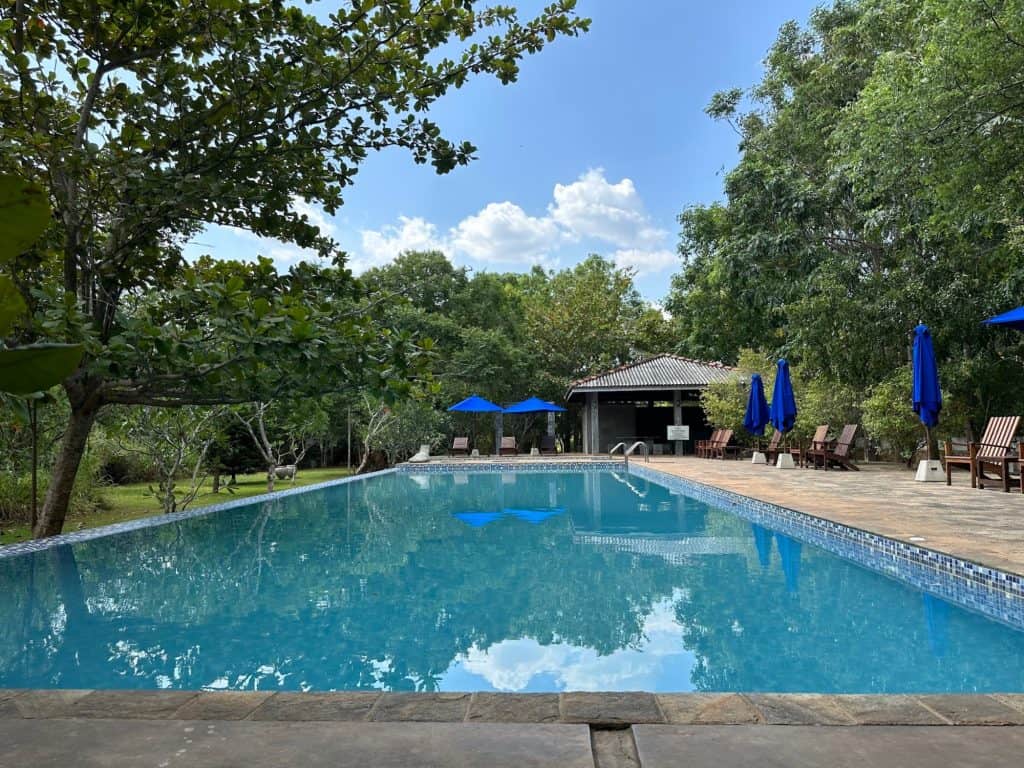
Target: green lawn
(128, 502)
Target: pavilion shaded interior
(641, 414)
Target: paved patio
(574, 730)
(985, 526)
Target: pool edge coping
(151, 521)
(600, 710)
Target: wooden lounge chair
(719, 449)
(800, 454)
(460, 445)
(548, 444)
(992, 454)
(703, 446)
(508, 447)
(772, 451)
(839, 453)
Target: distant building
(641, 400)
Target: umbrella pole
(928, 442)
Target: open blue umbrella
(475, 404)
(534, 405)
(534, 516)
(1012, 319)
(782, 413)
(477, 519)
(927, 396)
(757, 407)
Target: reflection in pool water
(481, 581)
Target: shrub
(888, 418)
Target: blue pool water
(482, 581)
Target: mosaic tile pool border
(37, 545)
(491, 466)
(994, 593)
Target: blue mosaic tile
(993, 593)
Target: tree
(878, 187)
(595, 304)
(282, 431)
(175, 441)
(149, 126)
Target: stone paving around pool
(495, 730)
(984, 526)
(601, 710)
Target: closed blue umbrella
(936, 620)
(789, 554)
(927, 396)
(782, 413)
(757, 407)
(1012, 319)
(763, 543)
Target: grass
(129, 502)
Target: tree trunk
(216, 481)
(364, 462)
(62, 482)
(271, 469)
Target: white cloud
(384, 245)
(591, 213)
(592, 207)
(645, 262)
(503, 232)
(510, 665)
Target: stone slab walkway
(599, 710)
(985, 526)
(223, 744)
(668, 746)
(164, 729)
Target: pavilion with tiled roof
(639, 401)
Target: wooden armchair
(460, 445)
(839, 453)
(992, 454)
(820, 438)
(704, 446)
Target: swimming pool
(488, 580)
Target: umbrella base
(759, 458)
(785, 461)
(930, 471)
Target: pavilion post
(677, 418)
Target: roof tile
(659, 372)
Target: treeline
(391, 350)
(880, 184)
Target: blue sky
(596, 149)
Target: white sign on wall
(679, 432)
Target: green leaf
(24, 215)
(24, 370)
(12, 305)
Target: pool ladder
(627, 452)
